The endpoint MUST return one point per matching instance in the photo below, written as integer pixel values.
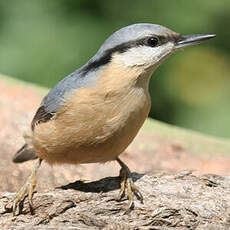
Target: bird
(94, 113)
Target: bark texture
(171, 201)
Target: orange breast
(98, 123)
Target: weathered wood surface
(171, 201)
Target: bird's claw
(128, 188)
(26, 189)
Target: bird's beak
(192, 39)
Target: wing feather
(57, 95)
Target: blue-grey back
(57, 95)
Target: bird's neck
(117, 78)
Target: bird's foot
(26, 189)
(128, 188)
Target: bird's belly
(109, 148)
(92, 127)
(96, 143)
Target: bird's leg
(26, 189)
(127, 185)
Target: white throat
(145, 56)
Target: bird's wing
(41, 116)
(56, 97)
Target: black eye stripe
(143, 41)
(164, 39)
(123, 47)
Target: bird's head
(143, 45)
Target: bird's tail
(25, 153)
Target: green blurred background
(41, 41)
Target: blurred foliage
(44, 40)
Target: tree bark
(171, 201)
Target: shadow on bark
(103, 185)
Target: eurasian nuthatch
(94, 113)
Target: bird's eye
(153, 41)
